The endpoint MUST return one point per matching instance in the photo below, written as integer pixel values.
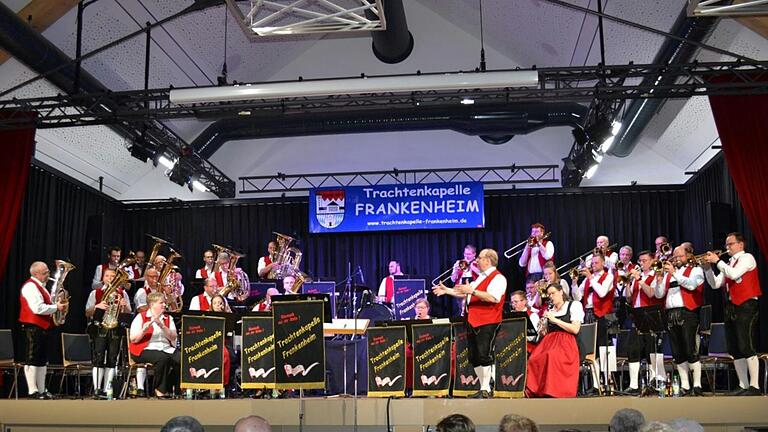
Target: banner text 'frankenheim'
(397, 207)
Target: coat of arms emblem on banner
(329, 207)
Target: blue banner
(396, 207)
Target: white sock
(98, 375)
(492, 372)
(485, 380)
(659, 371)
(682, 370)
(40, 374)
(634, 372)
(30, 374)
(595, 379)
(696, 369)
(754, 370)
(741, 371)
(108, 379)
(141, 376)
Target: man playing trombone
(464, 271)
(742, 289)
(602, 244)
(537, 251)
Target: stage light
(142, 153)
(591, 171)
(467, 101)
(607, 144)
(164, 161)
(363, 85)
(199, 186)
(615, 128)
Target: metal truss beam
(295, 17)
(570, 84)
(724, 8)
(502, 175)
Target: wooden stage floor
(407, 415)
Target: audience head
(685, 425)
(517, 423)
(626, 420)
(252, 423)
(455, 423)
(657, 426)
(182, 424)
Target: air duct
(394, 44)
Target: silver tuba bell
(58, 293)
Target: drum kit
(368, 308)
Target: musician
(610, 257)
(153, 340)
(485, 303)
(742, 289)
(640, 293)
(537, 252)
(596, 294)
(113, 259)
(203, 302)
(138, 267)
(222, 274)
(266, 305)
(621, 274)
(533, 296)
(659, 242)
(387, 286)
(172, 285)
(266, 263)
(683, 286)
(553, 367)
(422, 309)
(105, 343)
(36, 308)
(288, 282)
(552, 277)
(520, 304)
(151, 284)
(204, 272)
(464, 271)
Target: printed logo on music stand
(329, 206)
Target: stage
(407, 415)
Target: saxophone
(59, 294)
(111, 295)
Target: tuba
(112, 296)
(238, 283)
(155, 250)
(59, 294)
(173, 301)
(288, 261)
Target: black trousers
(602, 326)
(639, 346)
(37, 345)
(740, 322)
(105, 346)
(166, 367)
(683, 326)
(481, 342)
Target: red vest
(692, 300)
(204, 304)
(28, 317)
(601, 306)
(644, 299)
(219, 279)
(263, 307)
(540, 256)
(389, 285)
(482, 313)
(748, 288)
(267, 260)
(137, 348)
(204, 273)
(100, 294)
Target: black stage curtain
(52, 226)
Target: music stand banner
(202, 352)
(386, 361)
(407, 292)
(465, 381)
(511, 359)
(322, 288)
(396, 207)
(257, 361)
(299, 344)
(431, 359)
(259, 289)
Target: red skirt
(553, 367)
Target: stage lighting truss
(262, 18)
(726, 8)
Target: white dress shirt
(496, 288)
(35, 299)
(734, 272)
(600, 289)
(158, 341)
(530, 257)
(91, 302)
(690, 283)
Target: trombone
(520, 247)
(445, 276)
(581, 258)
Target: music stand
(650, 319)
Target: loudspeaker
(719, 222)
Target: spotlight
(168, 163)
(199, 186)
(179, 176)
(142, 153)
(591, 171)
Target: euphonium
(173, 301)
(238, 282)
(111, 295)
(59, 294)
(155, 250)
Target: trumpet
(519, 248)
(623, 276)
(665, 251)
(699, 259)
(581, 257)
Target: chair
(586, 339)
(132, 367)
(7, 360)
(717, 354)
(622, 354)
(764, 358)
(76, 356)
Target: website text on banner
(397, 207)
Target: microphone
(362, 276)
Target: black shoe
(752, 391)
(738, 392)
(35, 395)
(697, 391)
(632, 391)
(481, 394)
(591, 392)
(141, 393)
(45, 395)
(98, 394)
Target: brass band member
(742, 289)
(105, 343)
(536, 253)
(206, 271)
(204, 301)
(113, 259)
(151, 284)
(153, 340)
(35, 318)
(139, 266)
(266, 263)
(659, 242)
(222, 273)
(485, 303)
(465, 271)
(266, 305)
(640, 293)
(520, 304)
(683, 286)
(610, 257)
(386, 292)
